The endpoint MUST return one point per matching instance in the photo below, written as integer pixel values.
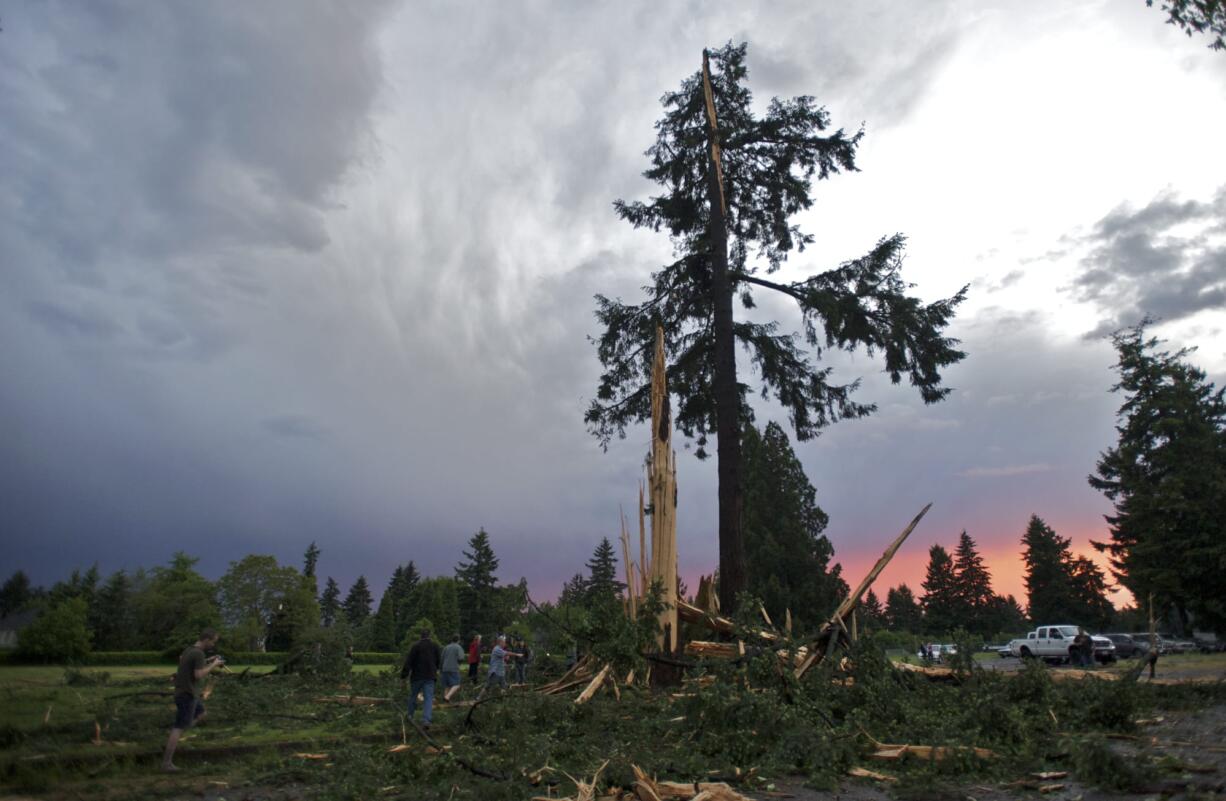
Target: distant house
(13, 623)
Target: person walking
(450, 671)
(474, 656)
(497, 676)
(189, 709)
(421, 668)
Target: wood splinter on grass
(865, 773)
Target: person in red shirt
(474, 656)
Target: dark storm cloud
(283, 273)
(1166, 260)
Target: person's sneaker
(169, 768)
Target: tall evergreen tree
(902, 611)
(330, 602)
(79, 585)
(973, 587)
(788, 555)
(1090, 588)
(357, 602)
(1166, 477)
(1049, 590)
(385, 629)
(602, 584)
(574, 592)
(15, 593)
(309, 560)
(438, 600)
(940, 601)
(726, 235)
(114, 625)
(479, 585)
(870, 613)
(408, 604)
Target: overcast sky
(281, 272)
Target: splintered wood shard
(631, 600)
(834, 628)
(644, 567)
(662, 480)
(595, 684)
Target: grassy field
(97, 733)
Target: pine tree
(1049, 591)
(309, 560)
(788, 555)
(385, 630)
(479, 585)
(15, 593)
(973, 588)
(330, 602)
(1089, 585)
(602, 584)
(726, 236)
(408, 606)
(357, 602)
(1166, 477)
(902, 611)
(437, 599)
(1004, 618)
(940, 601)
(115, 626)
(574, 592)
(870, 613)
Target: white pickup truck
(1052, 643)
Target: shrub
(58, 635)
(122, 658)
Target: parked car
(938, 651)
(1164, 647)
(1128, 646)
(1053, 644)
(1181, 645)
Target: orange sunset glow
(1001, 552)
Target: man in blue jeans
(421, 668)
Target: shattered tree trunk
(662, 480)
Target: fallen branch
(591, 689)
(834, 627)
(459, 760)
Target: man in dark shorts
(421, 669)
(189, 709)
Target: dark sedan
(1128, 646)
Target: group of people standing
(426, 661)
